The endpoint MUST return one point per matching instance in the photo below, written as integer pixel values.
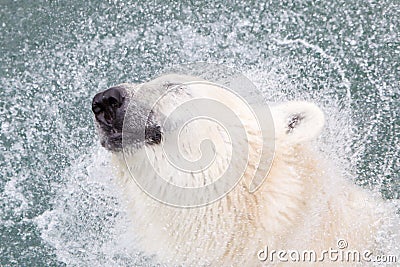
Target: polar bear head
(208, 152)
(295, 121)
(135, 125)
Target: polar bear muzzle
(109, 108)
(109, 111)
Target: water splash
(58, 204)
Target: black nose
(107, 106)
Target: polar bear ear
(297, 121)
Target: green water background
(55, 55)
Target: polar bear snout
(109, 110)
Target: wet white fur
(302, 204)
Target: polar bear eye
(153, 135)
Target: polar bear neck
(274, 208)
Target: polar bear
(301, 205)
